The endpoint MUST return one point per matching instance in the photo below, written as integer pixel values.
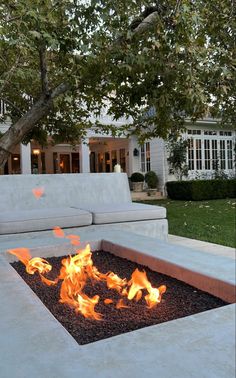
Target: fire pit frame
(33, 343)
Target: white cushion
(42, 219)
(124, 212)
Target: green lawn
(212, 221)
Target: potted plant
(137, 180)
(151, 180)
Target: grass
(212, 220)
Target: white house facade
(209, 148)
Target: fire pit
(34, 341)
(99, 295)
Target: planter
(137, 186)
(151, 192)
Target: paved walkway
(143, 196)
(203, 246)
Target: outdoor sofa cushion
(17, 221)
(124, 212)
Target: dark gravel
(180, 300)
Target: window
(2, 107)
(222, 154)
(209, 132)
(113, 159)
(207, 154)
(210, 150)
(190, 155)
(194, 132)
(230, 154)
(225, 133)
(145, 157)
(214, 153)
(122, 160)
(198, 147)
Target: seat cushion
(42, 219)
(124, 212)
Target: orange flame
(139, 282)
(58, 232)
(108, 301)
(74, 239)
(35, 264)
(23, 254)
(115, 282)
(38, 192)
(75, 272)
(120, 304)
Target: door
(64, 163)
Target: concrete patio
(33, 343)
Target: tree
(60, 61)
(177, 159)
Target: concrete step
(144, 196)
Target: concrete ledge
(34, 344)
(196, 277)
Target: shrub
(197, 190)
(137, 177)
(151, 179)
(177, 159)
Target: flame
(77, 269)
(108, 301)
(35, 264)
(120, 304)
(23, 254)
(139, 282)
(58, 232)
(38, 192)
(115, 282)
(74, 272)
(86, 306)
(74, 239)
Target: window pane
(122, 160)
(142, 158)
(230, 154)
(214, 154)
(198, 153)
(222, 154)
(148, 160)
(190, 155)
(207, 154)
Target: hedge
(197, 190)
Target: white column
(25, 152)
(84, 157)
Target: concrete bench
(75, 200)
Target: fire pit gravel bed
(180, 300)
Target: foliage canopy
(61, 61)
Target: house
(209, 147)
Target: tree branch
(12, 105)
(18, 130)
(43, 70)
(146, 23)
(60, 89)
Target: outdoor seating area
(98, 209)
(72, 200)
(117, 189)
(206, 340)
